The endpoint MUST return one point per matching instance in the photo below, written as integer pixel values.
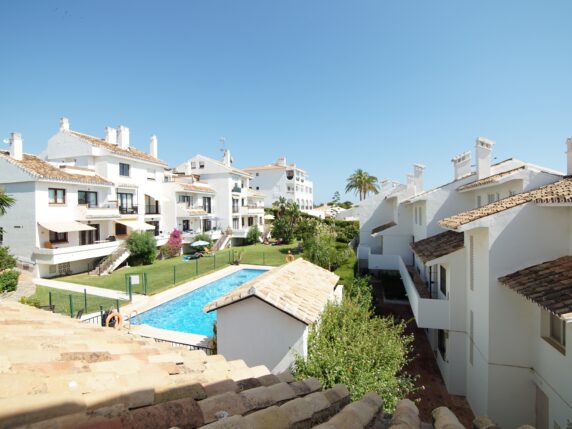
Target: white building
(282, 180)
(265, 321)
(452, 286)
(238, 206)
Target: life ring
(289, 257)
(118, 320)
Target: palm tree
(362, 183)
(280, 206)
(293, 212)
(5, 202)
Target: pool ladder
(134, 313)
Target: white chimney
(410, 182)
(188, 169)
(226, 159)
(462, 165)
(484, 148)
(418, 177)
(111, 135)
(123, 137)
(16, 146)
(153, 146)
(64, 124)
(281, 161)
(569, 156)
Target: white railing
(74, 253)
(429, 313)
(107, 210)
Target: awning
(68, 226)
(136, 225)
(378, 229)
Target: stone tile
(228, 403)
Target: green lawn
(347, 270)
(61, 299)
(165, 274)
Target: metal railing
(152, 209)
(128, 209)
(237, 189)
(207, 350)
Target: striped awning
(69, 226)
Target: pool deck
(144, 303)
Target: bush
(173, 246)
(322, 250)
(283, 228)
(365, 353)
(204, 237)
(9, 280)
(142, 248)
(253, 235)
(34, 302)
(7, 261)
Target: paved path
(91, 290)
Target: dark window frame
(85, 198)
(58, 237)
(122, 167)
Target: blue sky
(334, 86)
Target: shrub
(7, 261)
(204, 237)
(142, 248)
(9, 280)
(365, 353)
(173, 246)
(253, 235)
(283, 228)
(34, 302)
(322, 250)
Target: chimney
(123, 137)
(153, 146)
(281, 161)
(15, 143)
(462, 165)
(569, 156)
(418, 177)
(226, 159)
(64, 124)
(410, 182)
(484, 148)
(188, 169)
(110, 135)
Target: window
(57, 196)
(207, 225)
(126, 203)
(193, 164)
(472, 262)
(123, 169)
(235, 223)
(471, 334)
(58, 237)
(443, 280)
(442, 343)
(186, 199)
(234, 205)
(120, 229)
(87, 197)
(260, 222)
(201, 164)
(155, 223)
(207, 204)
(250, 221)
(479, 201)
(243, 222)
(89, 237)
(258, 188)
(186, 225)
(257, 174)
(415, 215)
(511, 193)
(420, 215)
(553, 330)
(491, 198)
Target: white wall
(260, 334)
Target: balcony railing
(127, 210)
(237, 189)
(152, 209)
(97, 211)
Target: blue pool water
(185, 313)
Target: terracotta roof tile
(490, 179)
(554, 191)
(438, 245)
(548, 284)
(383, 227)
(131, 152)
(44, 170)
(197, 187)
(299, 288)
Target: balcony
(237, 189)
(152, 209)
(184, 210)
(92, 212)
(129, 210)
(255, 209)
(429, 313)
(64, 254)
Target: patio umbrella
(269, 217)
(200, 243)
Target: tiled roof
(58, 372)
(299, 288)
(490, 179)
(266, 167)
(559, 190)
(438, 245)
(383, 227)
(197, 187)
(44, 170)
(223, 165)
(131, 152)
(548, 284)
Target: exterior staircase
(111, 262)
(222, 242)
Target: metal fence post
(85, 300)
(71, 305)
(117, 304)
(214, 262)
(145, 283)
(196, 267)
(127, 281)
(174, 274)
(263, 258)
(101, 314)
(50, 298)
(130, 292)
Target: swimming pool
(185, 313)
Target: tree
(174, 245)
(282, 228)
(322, 251)
(6, 201)
(280, 206)
(8, 275)
(253, 235)
(362, 183)
(350, 345)
(336, 198)
(142, 248)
